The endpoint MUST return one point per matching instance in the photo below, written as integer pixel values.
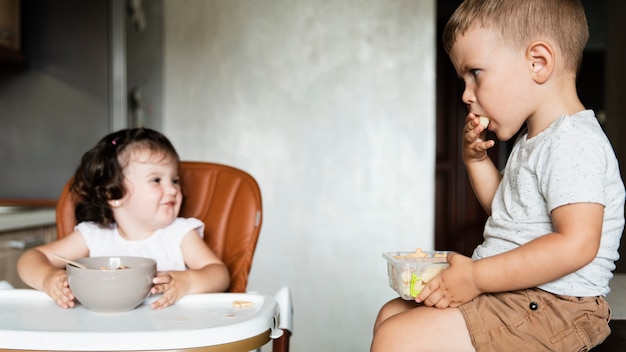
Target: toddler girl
(128, 196)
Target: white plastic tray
(31, 320)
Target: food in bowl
(410, 271)
(105, 288)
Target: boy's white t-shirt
(163, 245)
(572, 161)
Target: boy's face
(497, 80)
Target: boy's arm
(573, 244)
(484, 178)
(483, 174)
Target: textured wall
(56, 105)
(331, 106)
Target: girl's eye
(176, 181)
(474, 72)
(156, 180)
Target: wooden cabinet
(10, 31)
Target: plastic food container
(409, 271)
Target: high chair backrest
(226, 199)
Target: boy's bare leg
(392, 308)
(406, 326)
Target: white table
(205, 322)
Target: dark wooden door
(459, 218)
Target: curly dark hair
(99, 178)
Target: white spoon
(69, 261)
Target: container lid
(429, 257)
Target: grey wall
(67, 95)
(330, 105)
(56, 105)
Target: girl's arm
(206, 273)
(38, 268)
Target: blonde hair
(520, 22)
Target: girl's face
(153, 195)
(497, 81)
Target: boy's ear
(540, 58)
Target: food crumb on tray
(242, 304)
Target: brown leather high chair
(227, 200)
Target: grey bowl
(106, 290)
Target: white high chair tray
(32, 321)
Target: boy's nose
(468, 96)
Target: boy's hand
(57, 287)
(474, 144)
(173, 285)
(453, 287)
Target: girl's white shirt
(164, 245)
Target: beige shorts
(536, 320)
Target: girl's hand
(173, 285)
(453, 287)
(57, 287)
(474, 144)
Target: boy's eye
(156, 180)
(176, 181)
(474, 72)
